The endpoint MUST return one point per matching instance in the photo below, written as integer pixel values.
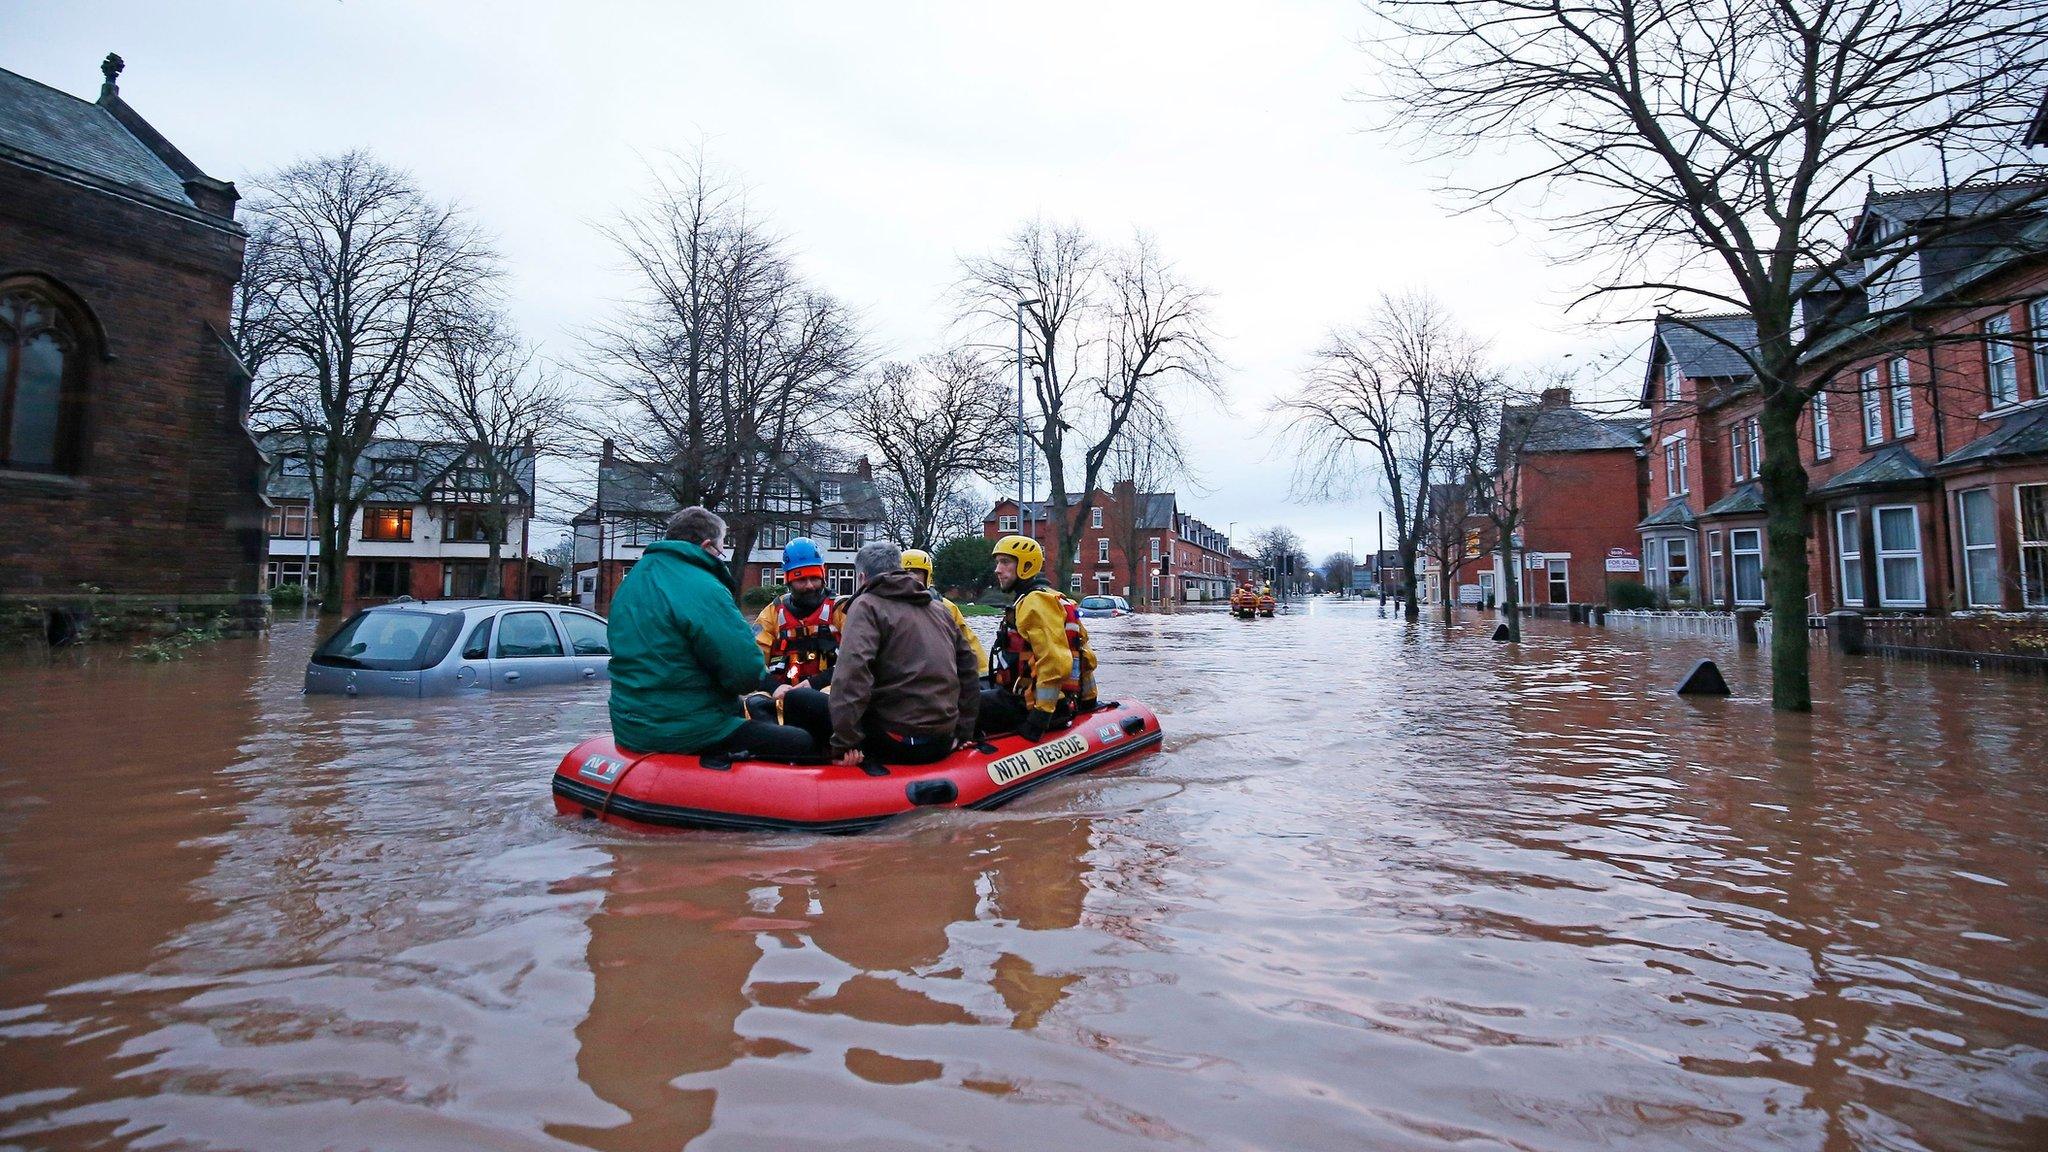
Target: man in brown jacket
(906, 687)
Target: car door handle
(509, 676)
(590, 673)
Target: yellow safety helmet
(918, 560)
(1030, 557)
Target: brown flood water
(1385, 888)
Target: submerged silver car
(435, 647)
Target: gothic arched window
(41, 386)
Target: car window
(478, 646)
(527, 634)
(1097, 602)
(587, 634)
(390, 641)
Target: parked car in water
(432, 648)
(1094, 606)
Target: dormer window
(396, 468)
(828, 491)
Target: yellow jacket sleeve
(764, 630)
(1042, 618)
(973, 641)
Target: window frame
(2000, 325)
(1102, 549)
(2037, 328)
(1849, 556)
(562, 624)
(1684, 543)
(1095, 517)
(498, 636)
(1735, 555)
(1823, 433)
(1006, 524)
(1884, 597)
(1553, 568)
(366, 584)
(73, 337)
(846, 535)
(402, 514)
(1716, 567)
(1971, 552)
(1676, 482)
(2032, 594)
(1870, 405)
(1901, 378)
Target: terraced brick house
(1139, 545)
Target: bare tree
(1146, 462)
(1127, 308)
(1734, 139)
(358, 268)
(1279, 553)
(726, 366)
(488, 394)
(1338, 568)
(935, 426)
(1387, 391)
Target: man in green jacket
(682, 654)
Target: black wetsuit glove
(1033, 728)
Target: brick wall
(167, 502)
(1579, 505)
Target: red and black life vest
(804, 645)
(1013, 665)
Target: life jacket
(804, 645)
(1013, 665)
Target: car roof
(452, 606)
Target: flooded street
(1386, 887)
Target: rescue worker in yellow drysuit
(1041, 666)
(918, 563)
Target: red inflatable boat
(598, 780)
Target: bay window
(2032, 500)
(1899, 574)
(1980, 548)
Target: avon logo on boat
(602, 769)
(1031, 760)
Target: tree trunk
(1785, 485)
(1410, 610)
(1511, 597)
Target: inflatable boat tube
(599, 780)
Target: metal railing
(1720, 625)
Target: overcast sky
(886, 140)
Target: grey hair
(695, 525)
(874, 559)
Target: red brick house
(1926, 449)
(1139, 545)
(1582, 489)
(125, 462)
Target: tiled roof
(1562, 428)
(62, 131)
(1889, 467)
(634, 487)
(1676, 513)
(1708, 346)
(1910, 206)
(435, 460)
(1746, 498)
(2022, 434)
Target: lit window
(1823, 436)
(1899, 583)
(1902, 397)
(1849, 546)
(1980, 549)
(40, 386)
(387, 523)
(2001, 371)
(1873, 407)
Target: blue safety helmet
(800, 554)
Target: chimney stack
(1557, 398)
